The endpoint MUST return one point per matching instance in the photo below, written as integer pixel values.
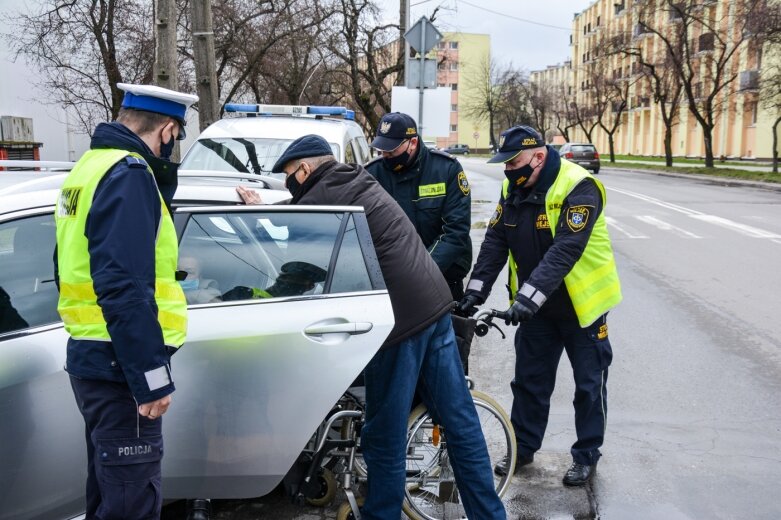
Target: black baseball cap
(394, 129)
(514, 140)
(310, 145)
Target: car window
(349, 153)
(365, 152)
(243, 256)
(28, 294)
(583, 148)
(237, 154)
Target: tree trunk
(205, 69)
(668, 144)
(707, 134)
(166, 71)
(611, 146)
(491, 131)
(775, 145)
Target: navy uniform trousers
(124, 453)
(538, 347)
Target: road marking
(629, 231)
(664, 226)
(668, 205)
(777, 241)
(735, 226)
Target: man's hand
(249, 196)
(468, 304)
(155, 409)
(523, 309)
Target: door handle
(351, 327)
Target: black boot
(579, 474)
(199, 509)
(522, 460)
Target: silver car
(263, 362)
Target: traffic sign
(423, 36)
(476, 136)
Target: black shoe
(198, 509)
(522, 460)
(579, 474)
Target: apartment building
(742, 128)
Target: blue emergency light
(290, 110)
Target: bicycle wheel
(431, 492)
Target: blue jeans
(429, 361)
(538, 347)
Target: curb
(719, 181)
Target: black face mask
(292, 184)
(400, 161)
(166, 149)
(519, 176)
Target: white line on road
(735, 226)
(668, 205)
(664, 226)
(629, 231)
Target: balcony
(619, 7)
(706, 43)
(639, 30)
(749, 81)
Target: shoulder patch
(577, 217)
(463, 183)
(497, 216)
(135, 162)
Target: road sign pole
(422, 83)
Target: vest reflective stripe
(592, 284)
(78, 307)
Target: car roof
(21, 191)
(280, 127)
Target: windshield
(238, 154)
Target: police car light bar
(289, 110)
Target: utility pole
(165, 71)
(403, 24)
(205, 68)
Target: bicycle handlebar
(488, 314)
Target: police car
(251, 384)
(253, 137)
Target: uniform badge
(501, 141)
(463, 183)
(577, 217)
(385, 127)
(602, 333)
(496, 216)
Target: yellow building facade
(742, 129)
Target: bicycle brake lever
(494, 325)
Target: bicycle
(431, 492)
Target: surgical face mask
(190, 284)
(166, 149)
(398, 162)
(291, 183)
(520, 176)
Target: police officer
(550, 221)
(432, 189)
(119, 299)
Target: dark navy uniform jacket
(434, 193)
(121, 231)
(520, 225)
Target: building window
(454, 86)
(454, 65)
(441, 66)
(454, 108)
(441, 84)
(454, 128)
(753, 109)
(599, 20)
(454, 45)
(441, 45)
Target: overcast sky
(531, 46)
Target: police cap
(309, 145)
(514, 140)
(152, 98)
(394, 129)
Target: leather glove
(468, 304)
(522, 309)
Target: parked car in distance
(253, 138)
(584, 154)
(458, 149)
(262, 366)
(431, 145)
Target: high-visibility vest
(78, 305)
(592, 284)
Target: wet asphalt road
(694, 421)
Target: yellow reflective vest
(78, 305)
(592, 284)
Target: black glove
(468, 304)
(523, 309)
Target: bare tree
(540, 99)
(562, 110)
(702, 41)
(83, 50)
(770, 91)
